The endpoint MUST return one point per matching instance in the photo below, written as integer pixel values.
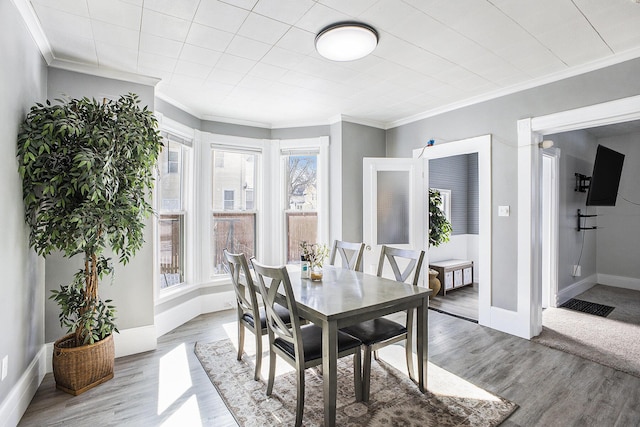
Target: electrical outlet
(5, 367)
(576, 271)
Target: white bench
(453, 273)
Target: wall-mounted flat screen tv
(605, 179)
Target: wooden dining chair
(381, 332)
(350, 254)
(300, 346)
(248, 308)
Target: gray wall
(618, 231)
(460, 175)
(499, 118)
(23, 76)
(132, 287)
(358, 141)
(177, 114)
(578, 150)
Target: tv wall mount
(582, 182)
(580, 216)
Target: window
(172, 207)
(301, 211)
(234, 221)
(228, 200)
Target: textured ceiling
(254, 61)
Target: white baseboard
(15, 404)
(576, 289)
(170, 319)
(619, 281)
(127, 342)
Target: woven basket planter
(77, 369)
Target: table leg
(422, 339)
(330, 371)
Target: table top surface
(343, 292)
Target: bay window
(233, 182)
(172, 206)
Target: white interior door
(394, 207)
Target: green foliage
(439, 225)
(95, 316)
(86, 169)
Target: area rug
(607, 341)
(395, 400)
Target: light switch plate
(503, 210)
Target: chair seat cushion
(282, 312)
(375, 331)
(312, 343)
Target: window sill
(177, 291)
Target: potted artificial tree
(439, 233)
(87, 170)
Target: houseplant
(87, 170)
(439, 233)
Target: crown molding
(529, 84)
(234, 121)
(35, 29)
(94, 70)
(169, 100)
(364, 122)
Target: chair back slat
(275, 287)
(238, 266)
(393, 254)
(350, 254)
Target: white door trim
(482, 146)
(530, 132)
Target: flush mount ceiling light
(346, 41)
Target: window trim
(187, 137)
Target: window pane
(233, 175)
(393, 207)
(301, 213)
(234, 228)
(237, 233)
(301, 182)
(301, 227)
(170, 165)
(171, 250)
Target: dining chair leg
(408, 346)
(272, 371)
(366, 373)
(357, 375)
(240, 340)
(375, 355)
(300, 396)
(256, 375)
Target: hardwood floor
(168, 386)
(459, 302)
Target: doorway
(456, 179)
(527, 321)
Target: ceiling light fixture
(346, 41)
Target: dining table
(344, 297)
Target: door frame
(553, 154)
(487, 315)
(528, 318)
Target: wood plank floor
(460, 302)
(169, 387)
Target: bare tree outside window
(301, 213)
